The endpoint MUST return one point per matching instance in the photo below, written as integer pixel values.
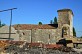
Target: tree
(81, 37)
(55, 20)
(40, 23)
(51, 22)
(2, 24)
(74, 32)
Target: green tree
(40, 23)
(74, 32)
(55, 21)
(81, 37)
(2, 24)
(51, 22)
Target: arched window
(64, 31)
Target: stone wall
(44, 35)
(71, 23)
(24, 35)
(39, 35)
(34, 35)
(4, 33)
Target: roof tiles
(30, 26)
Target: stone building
(47, 33)
(37, 33)
(4, 33)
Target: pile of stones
(13, 49)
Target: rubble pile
(34, 48)
(25, 49)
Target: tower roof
(65, 10)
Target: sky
(34, 11)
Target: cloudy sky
(33, 11)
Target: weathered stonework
(38, 35)
(4, 33)
(65, 19)
(49, 33)
(44, 35)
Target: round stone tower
(65, 22)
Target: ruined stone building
(46, 33)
